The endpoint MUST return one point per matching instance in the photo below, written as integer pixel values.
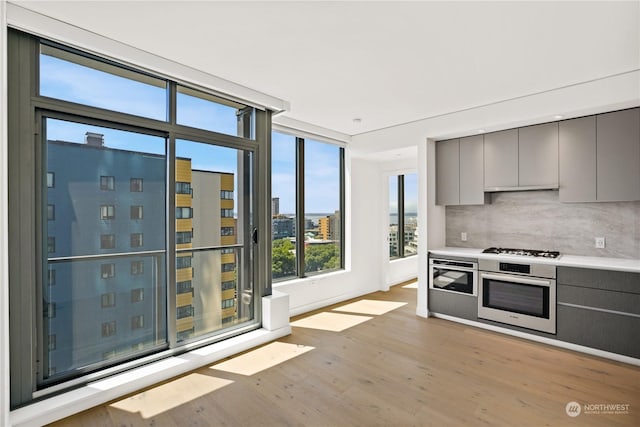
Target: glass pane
(97, 255)
(410, 214)
(393, 217)
(204, 111)
(283, 205)
(322, 206)
(213, 291)
(79, 79)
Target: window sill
(308, 280)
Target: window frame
(30, 107)
(401, 218)
(136, 240)
(107, 241)
(107, 270)
(107, 183)
(300, 206)
(136, 268)
(136, 185)
(108, 300)
(107, 212)
(139, 212)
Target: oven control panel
(515, 268)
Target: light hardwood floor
(392, 369)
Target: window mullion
(401, 216)
(300, 221)
(171, 224)
(342, 208)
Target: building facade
(106, 289)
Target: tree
(283, 258)
(321, 257)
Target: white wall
(402, 269)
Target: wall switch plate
(463, 236)
(600, 242)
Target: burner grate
(522, 252)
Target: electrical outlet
(463, 236)
(600, 242)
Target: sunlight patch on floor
(171, 395)
(334, 322)
(413, 285)
(262, 358)
(367, 306)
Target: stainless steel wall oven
(520, 294)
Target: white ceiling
(386, 63)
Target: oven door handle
(516, 279)
(447, 268)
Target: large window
(90, 249)
(403, 215)
(283, 206)
(307, 219)
(107, 145)
(84, 80)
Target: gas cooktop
(522, 252)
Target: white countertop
(599, 263)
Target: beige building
(215, 295)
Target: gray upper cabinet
(618, 155)
(501, 159)
(538, 156)
(448, 172)
(589, 159)
(472, 170)
(577, 159)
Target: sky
(77, 83)
(410, 194)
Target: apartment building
(104, 255)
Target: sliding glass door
(114, 291)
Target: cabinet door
(448, 172)
(501, 159)
(538, 156)
(471, 170)
(577, 159)
(618, 151)
(453, 304)
(603, 330)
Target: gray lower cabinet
(453, 304)
(611, 332)
(538, 156)
(599, 309)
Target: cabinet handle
(602, 310)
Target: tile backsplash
(538, 220)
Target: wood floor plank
(398, 369)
